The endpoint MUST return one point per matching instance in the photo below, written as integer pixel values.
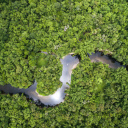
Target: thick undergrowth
(98, 95)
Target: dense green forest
(98, 95)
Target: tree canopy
(97, 97)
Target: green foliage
(101, 92)
(98, 95)
(16, 111)
(27, 27)
(42, 60)
(48, 74)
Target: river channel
(69, 62)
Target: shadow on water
(69, 62)
(105, 59)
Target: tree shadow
(7, 1)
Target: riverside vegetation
(98, 95)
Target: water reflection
(105, 59)
(69, 62)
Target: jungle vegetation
(98, 95)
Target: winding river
(69, 62)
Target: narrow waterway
(69, 62)
(105, 59)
